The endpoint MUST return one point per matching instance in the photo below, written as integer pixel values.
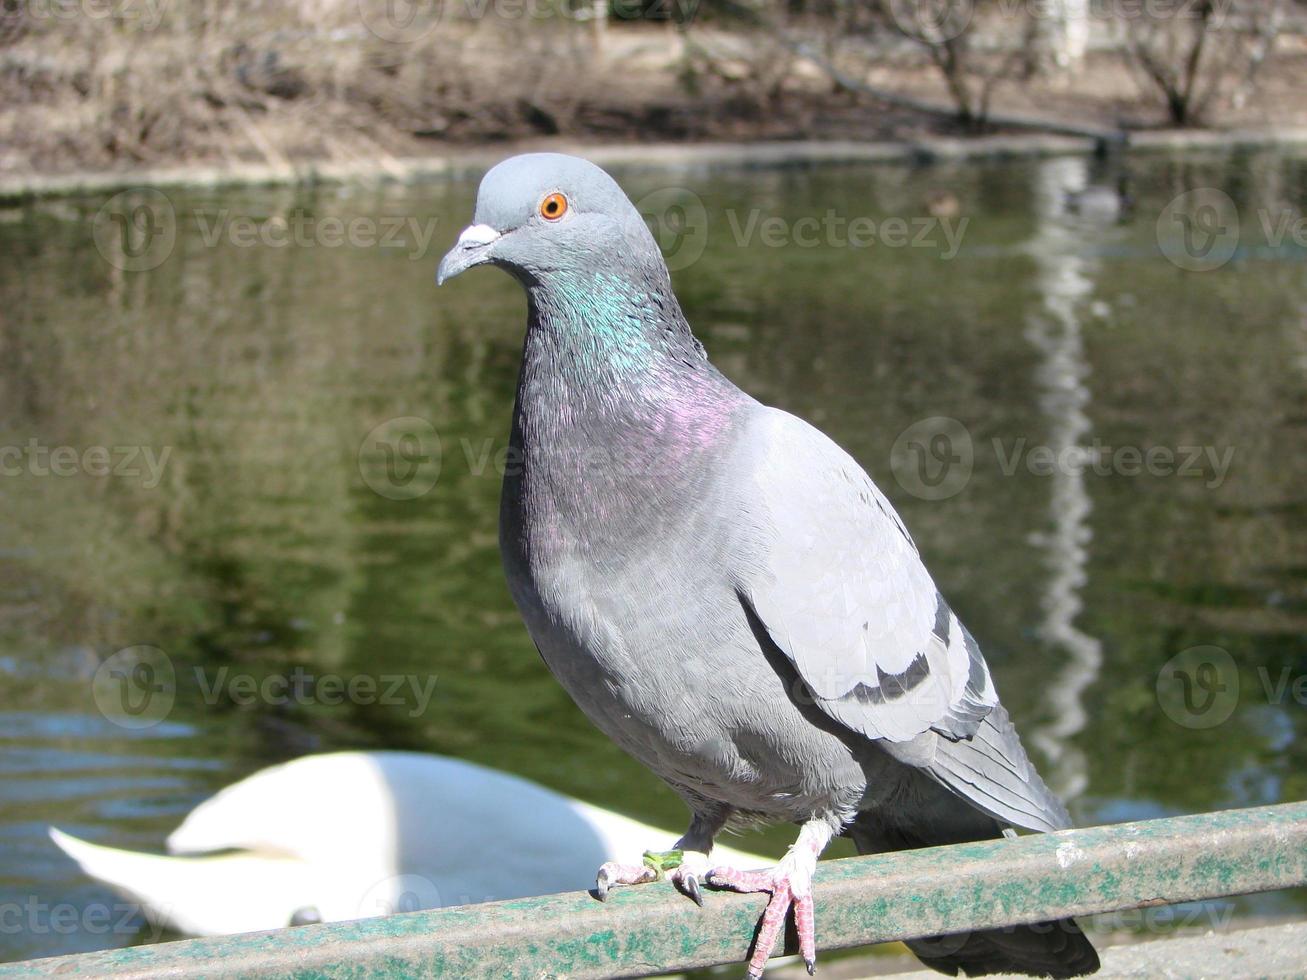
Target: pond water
(1095, 426)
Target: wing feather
(841, 590)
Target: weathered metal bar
(650, 929)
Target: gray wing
(837, 584)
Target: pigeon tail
(1056, 948)
(990, 770)
(1046, 949)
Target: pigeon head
(542, 215)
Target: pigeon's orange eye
(553, 207)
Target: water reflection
(1067, 212)
(265, 546)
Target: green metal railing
(650, 929)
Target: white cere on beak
(476, 235)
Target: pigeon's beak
(472, 248)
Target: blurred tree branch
(1190, 60)
(840, 37)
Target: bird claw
(689, 871)
(688, 882)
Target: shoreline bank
(459, 164)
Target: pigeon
(725, 593)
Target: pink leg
(790, 884)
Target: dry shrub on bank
(92, 83)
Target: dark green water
(258, 544)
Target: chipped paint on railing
(651, 929)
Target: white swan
(352, 835)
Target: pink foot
(786, 891)
(612, 873)
(685, 871)
(790, 884)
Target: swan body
(351, 835)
